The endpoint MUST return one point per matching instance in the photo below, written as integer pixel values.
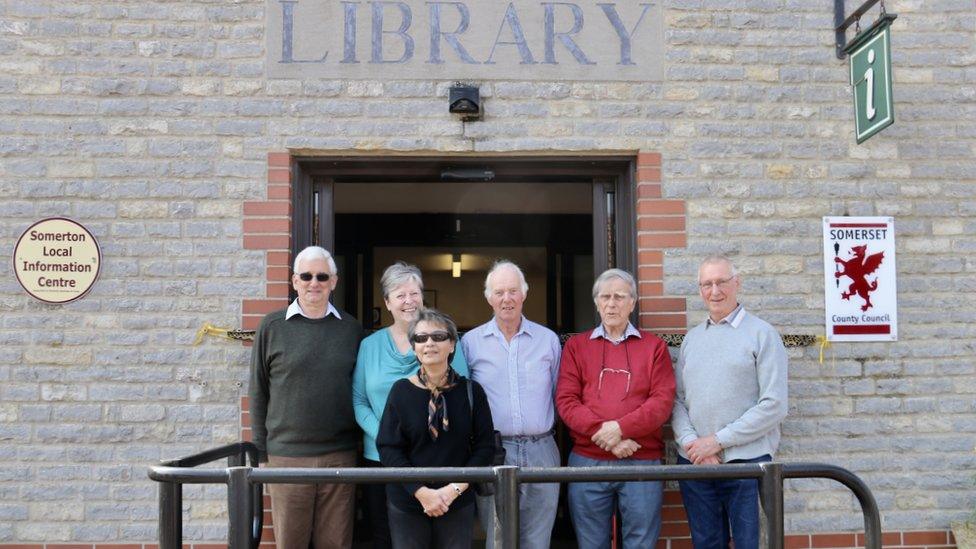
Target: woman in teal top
(385, 357)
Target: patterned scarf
(437, 406)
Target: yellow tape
(210, 329)
(824, 344)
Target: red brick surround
(660, 225)
(267, 226)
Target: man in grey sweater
(731, 398)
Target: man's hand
(434, 502)
(702, 449)
(608, 436)
(625, 448)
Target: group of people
(420, 396)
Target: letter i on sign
(869, 80)
(870, 77)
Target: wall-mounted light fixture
(465, 100)
(456, 265)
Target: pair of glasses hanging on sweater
(613, 371)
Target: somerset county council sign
(472, 39)
(860, 286)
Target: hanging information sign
(57, 260)
(860, 295)
(870, 54)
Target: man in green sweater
(301, 405)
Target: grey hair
(397, 275)
(315, 252)
(506, 264)
(718, 258)
(615, 273)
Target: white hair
(718, 258)
(315, 252)
(615, 273)
(506, 264)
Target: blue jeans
(713, 506)
(537, 501)
(591, 506)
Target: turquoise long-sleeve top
(378, 366)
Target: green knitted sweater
(300, 390)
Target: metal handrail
(171, 490)
(244, 489)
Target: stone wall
(152, 123)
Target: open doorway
(455, 232)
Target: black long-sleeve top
(404, 440)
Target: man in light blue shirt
(517, 363)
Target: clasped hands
(437, 501)
(704, 451)
(610, 438)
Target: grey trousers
(537, 502)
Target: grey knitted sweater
(731, 382)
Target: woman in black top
(429, 422)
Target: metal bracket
(841, 24)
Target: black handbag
(498, 457)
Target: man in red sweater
(616, 386)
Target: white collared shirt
(733, 319)
(296, 309)
(600, 332)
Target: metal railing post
(771, 497)
(869, 506)
(507, 495)
(239, 507)
(170, 515)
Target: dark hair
(435, 317)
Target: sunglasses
(321, 277)
(438, 337)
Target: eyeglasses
(438, 337)
(705, 286)
(615, 297)
(605, 370)
(321, 277)
(599, 387)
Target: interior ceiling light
(456, 265)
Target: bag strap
(467, 384)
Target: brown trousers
(320, 513)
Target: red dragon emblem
(857, 268)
